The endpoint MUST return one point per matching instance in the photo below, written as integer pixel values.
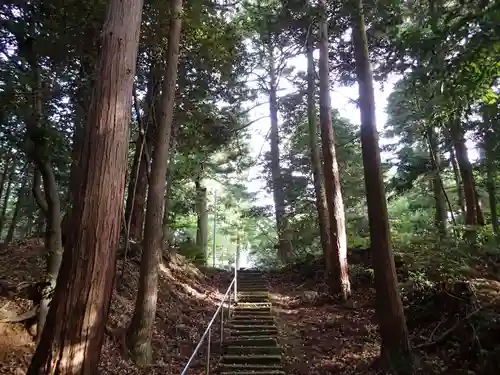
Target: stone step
(253, 299)
(253, 322)
(254, 333)
(251, 287)
(237, 367)
(258, 372)
(252, 306)
(259, 359)
(252, 317)
(251, 327)
(252, 350)
(263, 293)
(251, 341)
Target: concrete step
(253, 299)
(237, 367)
(270, 332)
(238, 350)
(251, 327)
(253, 322)
(252, 307)
(258, 359)
(242, 316)
(263, 293)
(251, 341)
(258, 372)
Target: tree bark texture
(74, 331)
(338, 238)
(316, 167)
(141, 326)
(285, 245)
(395, 348)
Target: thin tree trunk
(319, 181)
(5, 174)
(15, 216)
(49, 202)
(74, 331)
(5, 203)
(395, 348)
(53, 241)
(491, 188)
(167, 232)
(140, 331)
(339, 278)
(137, 188)
(285, 245)
(202, 219)
(439, 194)
(465, 168)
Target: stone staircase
(252, 346)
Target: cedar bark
(339, 278)
(140, 331)
(319, 181)
(74, 331)
(395, 348)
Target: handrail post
(209, 342)
(222, 323)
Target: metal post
(209, 343)
(236, 264)
(222, 324)
(215, 227)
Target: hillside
(187, 299)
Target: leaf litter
(187, 300)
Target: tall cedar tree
(72, 338)
(395, 350)
(141, 327)
(339, 277)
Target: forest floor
(455, 325)
(187, 300)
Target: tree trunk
(137, 191)
(339, 278)
(167, 232)
(49, 202)
(319, 181)
(458, 181)
(479, 207)
(465, 169)
(74, 331)
(15, 216)
(53, 241)
(202, 219)
(7, 165)
(437, 185)
(285, 250)
(395, 348)
(491, 188)
(141, 326)
(5, 203)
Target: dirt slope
(187, 300)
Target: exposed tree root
(14, 318)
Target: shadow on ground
(186, 302)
